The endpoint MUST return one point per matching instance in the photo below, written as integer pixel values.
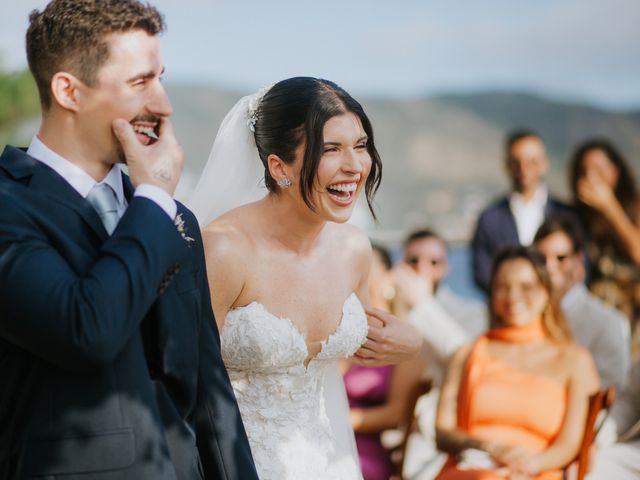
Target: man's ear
(64, 90)
(278, 168)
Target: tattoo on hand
(163, 173)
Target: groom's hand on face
(159, 163)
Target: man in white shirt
(110, 363)
(445, 320)
(513, 219)
(603, 330)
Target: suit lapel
(127, 187)
(44, 180)
(510, 229)
(550, 208)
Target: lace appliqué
(281, 401)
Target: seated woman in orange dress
(514, 403)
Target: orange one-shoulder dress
(506, 405)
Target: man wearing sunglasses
(603, 330)
(445, 319)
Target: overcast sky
(584, 50)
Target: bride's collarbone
(310, 269)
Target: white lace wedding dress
(281, 401)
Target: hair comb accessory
(254, 103)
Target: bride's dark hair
(296, 110)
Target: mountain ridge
(442, 154)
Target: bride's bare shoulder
(229, 234)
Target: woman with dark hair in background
(514, 402)
(607, 200)
(288, 275)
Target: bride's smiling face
(343, 168)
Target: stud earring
(284, 182)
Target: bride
(288, 275)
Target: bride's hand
(389, 341)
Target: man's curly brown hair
(70, 35)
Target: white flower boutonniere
(182, 229)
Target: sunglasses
(413, 261)
(562, 257)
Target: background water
(460, 277)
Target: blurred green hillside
(19, 104)
(442, 155)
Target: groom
(110, 362)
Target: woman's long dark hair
(296, 110)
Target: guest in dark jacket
(514, 219)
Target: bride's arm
(390, 340)
(224, 251)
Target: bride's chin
(341, 215)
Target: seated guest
(513, 220)
(445, 320)
(609, 205)
(621, 460)
(603, 330)
(378, 396)
(514, 402)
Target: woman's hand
(595, 192)
(519, 460)
(390, 340)
(411, 287)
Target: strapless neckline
(282, 398)
(296, 331)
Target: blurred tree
(18, 102)
(18, 97)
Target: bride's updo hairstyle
(553, 319)
(296, 110)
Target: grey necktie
(103, 199)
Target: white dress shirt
(446, 322)
(602, 330)
(471, 315)
(528, 214)
(82, 182)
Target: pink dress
(369, 387)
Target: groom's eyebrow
(144, 76)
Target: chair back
(600, 401)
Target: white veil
(233, 174)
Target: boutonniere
(182, 229)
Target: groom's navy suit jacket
(496, 229)
(110, 362)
